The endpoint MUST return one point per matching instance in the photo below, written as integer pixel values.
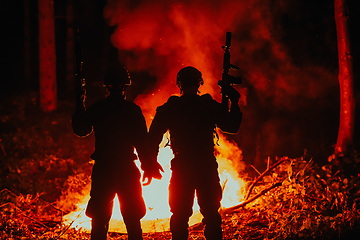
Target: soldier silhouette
(191, 120)
(119, 126)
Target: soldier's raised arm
(230, 121)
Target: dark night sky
(306, 29)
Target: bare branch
(243, 204)
(263, 174)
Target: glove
(232, 94)
(152, 172)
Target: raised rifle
(79, 75)
(227, 81)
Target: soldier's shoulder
(132, 105)
(169, 103)
(171, 100)
(207, 98)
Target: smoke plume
(161, 36)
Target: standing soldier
(191, 120)
(119, 126)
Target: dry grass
(43, 164)
(311, 203)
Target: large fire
(177, 45)
(156, 194)
(162, 50)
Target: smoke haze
(278, 91)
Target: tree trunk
(47, 56)
(346, 82)
(70, 77)
(27, 44)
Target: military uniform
(119, 126)
(191, 121)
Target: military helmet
(116, 77)
(189, 76)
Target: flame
(229, 158)
(162, 50)
(156, 194)
(159, 37)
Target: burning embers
(156, 194)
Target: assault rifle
(79, 76)
(227, 81)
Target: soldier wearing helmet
(191, 120)
(189, 77)
(119, 127)
(117, 78)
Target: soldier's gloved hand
(147, 178)
(156, 171)
(233, 94)
(152, 172)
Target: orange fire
(193, 35)
(156, 194)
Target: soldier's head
(189, 80)
(116, 79)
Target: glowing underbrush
(312, 202)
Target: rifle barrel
(228, 40)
